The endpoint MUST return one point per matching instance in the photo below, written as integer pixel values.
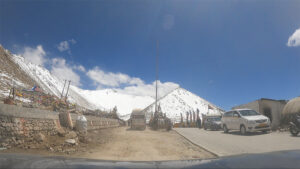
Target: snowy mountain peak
(180, 101)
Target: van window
(228, 114)
(236, 113)
(249, 113)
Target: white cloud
(79, 67)
(109, 79)
(65, 45)
(294, 39)
(35, 55)
(149, 89)
(63, 71)
(73, 41)
(123, 83)
(58, 66)
(168, 22)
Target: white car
(245, 120)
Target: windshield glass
(145, 80)
(216, 119)
(249, 113)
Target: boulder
(61, 132)
(71, 141)
(71, 135)
(40, 137)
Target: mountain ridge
(26, 74)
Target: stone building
(268, 107)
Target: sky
(227, 52)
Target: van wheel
(243, 130)
(225, 129)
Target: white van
(245, 120)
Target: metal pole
(68, 89)
(63, 89)
(157, 45)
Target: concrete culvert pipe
(290, 110)
(292, 107)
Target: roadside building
(268, 107)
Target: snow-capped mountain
(105, 99)
(11, 74)
(180, 101)
(50, 83)
(15, 70)
(109, 98)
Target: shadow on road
(248, 134)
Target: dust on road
(123, 144)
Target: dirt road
(120, 144)
(129, 145)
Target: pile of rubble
(67, 141)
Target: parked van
(245, 120)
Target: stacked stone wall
(27, 122)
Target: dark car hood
(284, 159)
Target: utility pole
(68, 89)
(156, 76)
(63, 90)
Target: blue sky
(228, 52)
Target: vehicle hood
(258, 117)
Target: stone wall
(16, 121)
(97, 122)
(273, 110)
(20, 121)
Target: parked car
(212, 123)
(245, 120)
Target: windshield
(248, 113)
(216, 119)
(149, 80)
